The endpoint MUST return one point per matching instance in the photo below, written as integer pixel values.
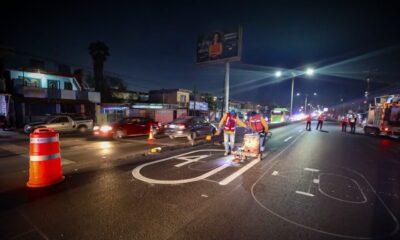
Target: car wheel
(171, 137)
(119, 134)
(82, 129)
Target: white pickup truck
(62, 123)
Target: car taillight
(159, 124)
(386, 129)
(181, 126)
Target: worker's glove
(218, 132)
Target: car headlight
(96, 128)
(105, 128)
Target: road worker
(260, 126)
(228, 122)
(308, 120)
(321, 119)
(345, 122)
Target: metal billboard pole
(227, 66)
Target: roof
(170, 90)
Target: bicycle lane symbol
(187, 158)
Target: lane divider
(287, 139)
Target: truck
(62, 123)
(384, 117)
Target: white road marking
(136, 172)
(190, 159)
(274, 173)
(311, 169)
(239, 172)
(300, 130)
(305, 193)
(287, 139)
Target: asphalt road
(311, 185)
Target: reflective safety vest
(321, 118)
(230, 122)
(308, 118)
(255, 123)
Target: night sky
(153, 44)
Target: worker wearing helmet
(260, 126)
(228, 122)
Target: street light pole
(227, 87)
(291, 97)
(305, 104)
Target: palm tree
(99, 52)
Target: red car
(128, 127)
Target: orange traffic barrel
(151, 135)
(44, 158)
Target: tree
(99, 52)
(212, 102)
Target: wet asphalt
(311, 185)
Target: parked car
(62, 123)
(128, 127)
(189, 127)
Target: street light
(310, 71)
(306, 100)
(298, 94)
(278, 74)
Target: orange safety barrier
(44, 158)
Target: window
(54, 84)
(67, 86)
(31, 82)
(63, 120)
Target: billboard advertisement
(202, 106)
(219, 46)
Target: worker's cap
(233, 112)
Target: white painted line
(239, 172)
(316, 181)
(305, 193)
(287, 139)
(190, 159)
(136, 172)
(311, 169)
(300, 130)
(274, 173)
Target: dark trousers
(308, 126)
(352, 127)
(320, 124)
(344, 127)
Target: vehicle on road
(279, 115)
(62, 123)
(189, 127)
(129, 126)
(384, 117)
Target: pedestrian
(308, 120)
(353, 121)
(260, 126)
(345, 122)
(321, 119)
(229, 121)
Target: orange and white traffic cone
(44, 158)
(151, 135)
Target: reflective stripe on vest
(44, 157)
(230, 122)
(256, 124)
(44, 140)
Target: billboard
(202, 106)
(219, 46)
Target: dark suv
(190, 127)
